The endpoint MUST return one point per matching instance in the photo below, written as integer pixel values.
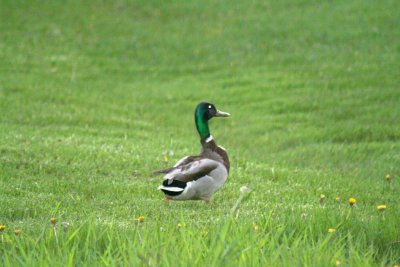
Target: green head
(203, 113)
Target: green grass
(93, 96)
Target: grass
(95, 95)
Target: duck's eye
(209, 107)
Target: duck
(198, 177)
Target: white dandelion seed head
(244, 189)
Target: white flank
(171, 189)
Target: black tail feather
(173, 183)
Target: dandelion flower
(2, 228)
(388, 178)
(17, 231)
(139, 219)
(338, 199)
(53, 220)
(166, 158)
(331, 230)
(352, 201)
(381, 208)
(244, 189)
(337, 262)
(255, 227)
(180, 225)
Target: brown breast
(212, 151)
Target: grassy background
(95, 95)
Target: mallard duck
(198, 177)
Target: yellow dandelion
(388, 178)
(53, 220)
(17, 231)
(337, 262)
(331, 230)
(166, 158)
(180, 225)
(338, 199)
(139, 219)
(2, 228)
(352, 201)
(255, 226)
(381, 208)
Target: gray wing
(183, 161)
(192, 170)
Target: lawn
(95, 95)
